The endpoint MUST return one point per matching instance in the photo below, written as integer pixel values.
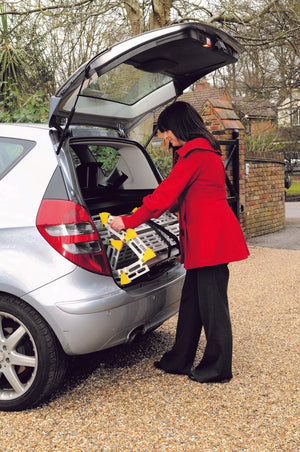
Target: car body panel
(27, 261)
(86, 311)
(21, 194)
(152, 69)
(89, 312)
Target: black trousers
(204, 303)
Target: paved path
(287, 238)
(292, 210)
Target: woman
(210, 238)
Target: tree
(269, 29)
(270, 66)
(24, 72)
(11, 60)
(289, 144)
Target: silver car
(69, 285)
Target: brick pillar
(265, 200)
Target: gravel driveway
(117, 401)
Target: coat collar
(198, 143)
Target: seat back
(87, 174)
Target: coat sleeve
(167, 193)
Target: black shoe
(193, 377)
(158, 365)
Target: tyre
(32, 362)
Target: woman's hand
(117, 224)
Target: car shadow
(149, 346)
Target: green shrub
(163, 160)
(261, 142)
(33, 108)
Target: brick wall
(211, 119)
(264, 193)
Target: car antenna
(65, 131)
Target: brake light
(207, 43)
(70, 230)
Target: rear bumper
(101, 330)
(106, 315)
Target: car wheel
(32, 362)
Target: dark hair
(185, 122)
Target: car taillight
(70, 230)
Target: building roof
(228, 108)
(254, 108)
(202, 92)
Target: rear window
(12, 150)
(126, 84)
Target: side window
(107, 156)
(100, 164)
(75, 158)
(12, 150)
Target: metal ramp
(133, 252)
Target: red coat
(210, 233)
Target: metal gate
(232, 166)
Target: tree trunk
(161, 13)
(134, 15)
